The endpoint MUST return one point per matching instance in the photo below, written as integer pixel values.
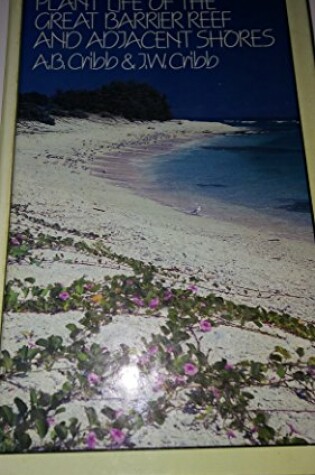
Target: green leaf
(41, 427)
(96, 349)
(256, 369)
(258, 323)
(30, 280)
(311, 361)
(23, 352)
(92, 416)
(109, 412)
(42, 342)
(298, 441)
(281, 372)
(159, 416)
(260, 418)
(61, 431)
(248, 395)
(74, 426)
(20, 251)
(33, 352)
(7, 414)
(6, 354)
(266, 433)
(283, 352)
(299, 376)
(67, 387)
(55, 342)
(44, 292)
(79, 287)
(276, 357)
(165, 330)
(33, 397)
(192, 347)
(11, 299)
(72, 327)
(44, 399)
(82, 357)
(23, 439)
(300, 352)
(7, 361)
(22, 407)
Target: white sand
(277, 274)
(54, 176)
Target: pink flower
(192, 288)
(168, 295)
(153, 350)
(293, 430)
(230, 434)
(159, 382)
(180, 379)
(31, 344)
(143, 359)
(93, 379)
(117, 436)
(88, 286)
(169, 349)
(311, 371)
(138, 301)
(51, 421)
(91, 440)
(229, 367)
(64, 296)
(154, 303)
(190, 369)
(14, 241)
(119, 413)
(216, 393)
(205, 326)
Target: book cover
(159, 274)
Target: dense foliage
(130, 100)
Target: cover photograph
(159, 287)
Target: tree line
(130, 100)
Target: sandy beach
(79, 175)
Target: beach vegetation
(180, 372)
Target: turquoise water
(262, 169)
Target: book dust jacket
(159, 289)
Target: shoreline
(54, 195)
(124, 211)
(126, 167)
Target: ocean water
(261, 168)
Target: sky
(248, 83)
